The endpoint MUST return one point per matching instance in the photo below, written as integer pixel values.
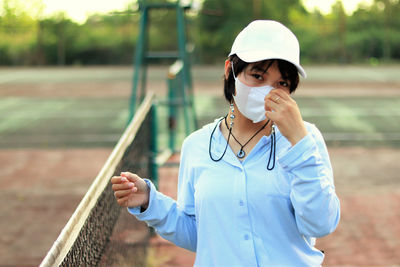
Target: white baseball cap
(267, 39)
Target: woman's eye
(257, 76)
(284, 84)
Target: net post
(153, 168)
(172, 107)
(139, 59)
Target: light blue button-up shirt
(238, 213)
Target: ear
(227, 68)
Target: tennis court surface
(59, 125)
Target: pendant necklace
(241, 154)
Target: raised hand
(284, 112)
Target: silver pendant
(240, 154)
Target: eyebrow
(262, 70)
(260, 67)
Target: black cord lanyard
(227, 142)
(272, 149)
(241, 152)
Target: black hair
(288, 71)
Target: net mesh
(128, 242)
(94, 235)
(109, 236)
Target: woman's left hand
(283, 111)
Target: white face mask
(250, 100)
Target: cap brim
(254, 56)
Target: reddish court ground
(37, 199)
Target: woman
(255, 187)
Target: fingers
(124, 193)
(118, 180)
(280, 93)
(278, 96)
(125, 177)
(123, 190)
(130, 176)
(123, 186)
(273, 103)
(277, 99)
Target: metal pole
(153, 145)
(182, 76)
(172, 120)
(144, 55)
(186, 75)
(139, 56)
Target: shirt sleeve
(313, 196)
(173, 220)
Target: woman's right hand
(130, 190)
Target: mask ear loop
(233, 71)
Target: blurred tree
(371, 33)
(56, 37)
(221, 20)
(17, 33)
(375, 31)
(105, 39)
(340, 18)
(309, 28)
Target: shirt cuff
(297, 155)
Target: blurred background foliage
(371, 34)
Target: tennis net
(99, 232)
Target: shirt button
(246, 237)
(241, 203)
